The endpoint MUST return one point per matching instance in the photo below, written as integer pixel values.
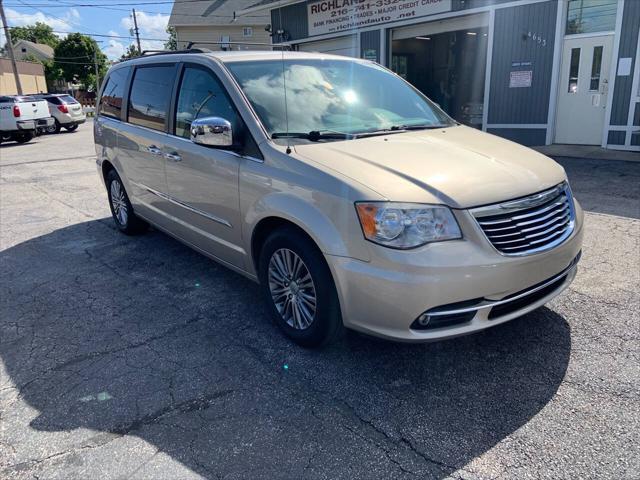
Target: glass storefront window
(448, 67)
(589, 16)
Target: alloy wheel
(292, 289)
(119, 203)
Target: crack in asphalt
(195, 404)
(49, 160)
(92, 355)
(199, 403)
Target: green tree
(38, 33)
(172, 42)
(132, 52)
(74, 57)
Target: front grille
(531, 224)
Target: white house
(206, 23)
(26, 49)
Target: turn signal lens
(406, 225)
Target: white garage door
(346, 46)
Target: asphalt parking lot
(135, 357)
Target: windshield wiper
(315, 135)
(419, 127)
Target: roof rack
(169, 52)
(190, 49)
(248, 44)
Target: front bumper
(384, 297)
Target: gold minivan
(348, 195)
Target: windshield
(333, 96)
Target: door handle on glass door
(174, 157)
(604, 86)
(154, 150)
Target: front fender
(338, 236)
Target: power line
(110, 6)
(125, 4)
(111, 36)
(71, 24)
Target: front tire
(55, 128)
(298, 288)
(121, 210)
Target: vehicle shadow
(141, 336)
(605, 186)
(12, 143)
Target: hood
(458, 166)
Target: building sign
(370, 54)
(624, 67)
(331, 16)
(520, 78)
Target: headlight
(406, 225)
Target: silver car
(351, 198)
(66, 111)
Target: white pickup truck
(21, 116)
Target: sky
(105, 18)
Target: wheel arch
(268, 225)
(281, 209)
(106, 167)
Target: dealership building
(534, 71)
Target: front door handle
(154, 150)
(174, 157)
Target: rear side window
(150, 96)
(111, 100)
(68, 99)
(54, 100)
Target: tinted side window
(111, 100)
(150, 96)
(202, 95)
(54, 100)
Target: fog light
(424, 319)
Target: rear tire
(71, 128)
(121, 209)
(298, 288)
(23, 137)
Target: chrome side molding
(186, 206)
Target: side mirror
(212, 132)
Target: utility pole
(95, 62)
(136, 31)
(10, 49)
